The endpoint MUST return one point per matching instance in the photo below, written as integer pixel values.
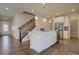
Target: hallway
(10, 46)
(64, 47)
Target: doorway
(74, 28)
(5, 27)
(59, 28)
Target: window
(5, 27)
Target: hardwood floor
(64, 47)
(10, 46)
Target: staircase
(25, 28)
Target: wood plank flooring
(11, 46)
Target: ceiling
(47, 10)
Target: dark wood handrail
(29, 13)
(26, 23)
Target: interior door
(74, 28)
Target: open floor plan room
(39, 29)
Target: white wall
(67, 23)
(41, 24)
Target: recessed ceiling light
(6, 8)
(73, 9)
(44, 20)
(50, 21)
(32, 10)
(36, 18)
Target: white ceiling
(50, 8)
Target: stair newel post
(20, 35)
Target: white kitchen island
(40, 40)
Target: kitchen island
(40, 40)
